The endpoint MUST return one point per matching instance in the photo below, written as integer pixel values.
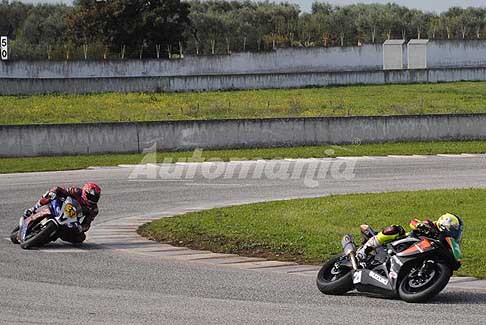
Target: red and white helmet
(91, 193)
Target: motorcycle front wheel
(39, 235)
(334, 278)
(418, 286)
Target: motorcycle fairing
(406, 240)
(419, 248)
(374, 281)
(24, 223)
(41, 213)
(55, 207)
(455, 247)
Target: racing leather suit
(372, 240)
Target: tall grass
(463, 97)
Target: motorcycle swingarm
(371, 282)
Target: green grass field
(463, 97)
(11, 165)
(310, 230)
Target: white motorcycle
(43, 226)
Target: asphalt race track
(100, 285)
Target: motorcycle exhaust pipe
(350, 250)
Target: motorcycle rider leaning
(87, 196)
(448, 224)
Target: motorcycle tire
(334, 287)
(440, 282)
(14, 235)
(41, 238)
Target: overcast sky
(428, 5)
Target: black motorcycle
(414, 269)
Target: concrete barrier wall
(368, 57)
(441, 54)
(444, 54)
(284, 68)
(46, 140)
(235, 81)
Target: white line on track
(357, 158)
(161, 180)
(62, 250)
(405, 157)
(217, 184)
(450, 155)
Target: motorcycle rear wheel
(332, 281)
(412, 291)
(14, 235)
(41, 238)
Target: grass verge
(459, 97)
(12, 165)
(310, 230)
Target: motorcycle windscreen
(423, 246)
(55, 207)
(455, 247)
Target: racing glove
(28, 213)
(426, 228)
(50, 195)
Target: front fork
(22, 229)
(425, 268)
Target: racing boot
(383, 237)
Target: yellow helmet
(451, 225)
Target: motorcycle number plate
(44, 222)
(70, 210)
(357, 277)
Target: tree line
(96, 29)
